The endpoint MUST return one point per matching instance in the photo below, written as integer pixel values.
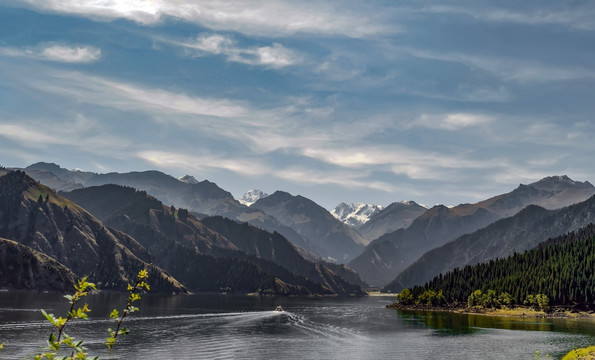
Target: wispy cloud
(127, 96)
(508, 69)
(253, 17)
(451, 122)
(203, 162)
(79, 132)
(250, 166)
(333, 177)
(57, 53)
(582, 18)
(28, 136)
(274, 56)
(401, 160)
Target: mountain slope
(398, 215)
(35, 216)
(276, 248)
(24, 268)
(338, 241)
(518, 233)
(440, 224)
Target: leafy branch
(56, 342)
(77, 351)
(133, 296)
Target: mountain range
(198, 219)
(164, 228)
(49, 240)
(387, 256)
(203, 199)
(516, 234)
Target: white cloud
(57, 53)
(451, 122)
(275, 56)
(79, 54)
(253, 17)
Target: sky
(338, 101)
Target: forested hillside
(562, 268)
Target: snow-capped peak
(252, 196)
(188, 179)
(355, 214)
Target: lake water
(215, 326)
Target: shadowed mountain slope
(276, 248)
(24, 268)
(339, 241)
(35, 216)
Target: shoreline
(518, 311)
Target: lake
(218, 326)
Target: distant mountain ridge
(386, 257)
(355, 215)
(523, 231)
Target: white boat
(279, 308)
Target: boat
(278, 308)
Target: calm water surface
(217, 326)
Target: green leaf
(114, 314)
(50, 318)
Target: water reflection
(455, 323)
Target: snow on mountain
(252, 196)
(355, 214)
(188, 179)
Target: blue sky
(375, 101)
